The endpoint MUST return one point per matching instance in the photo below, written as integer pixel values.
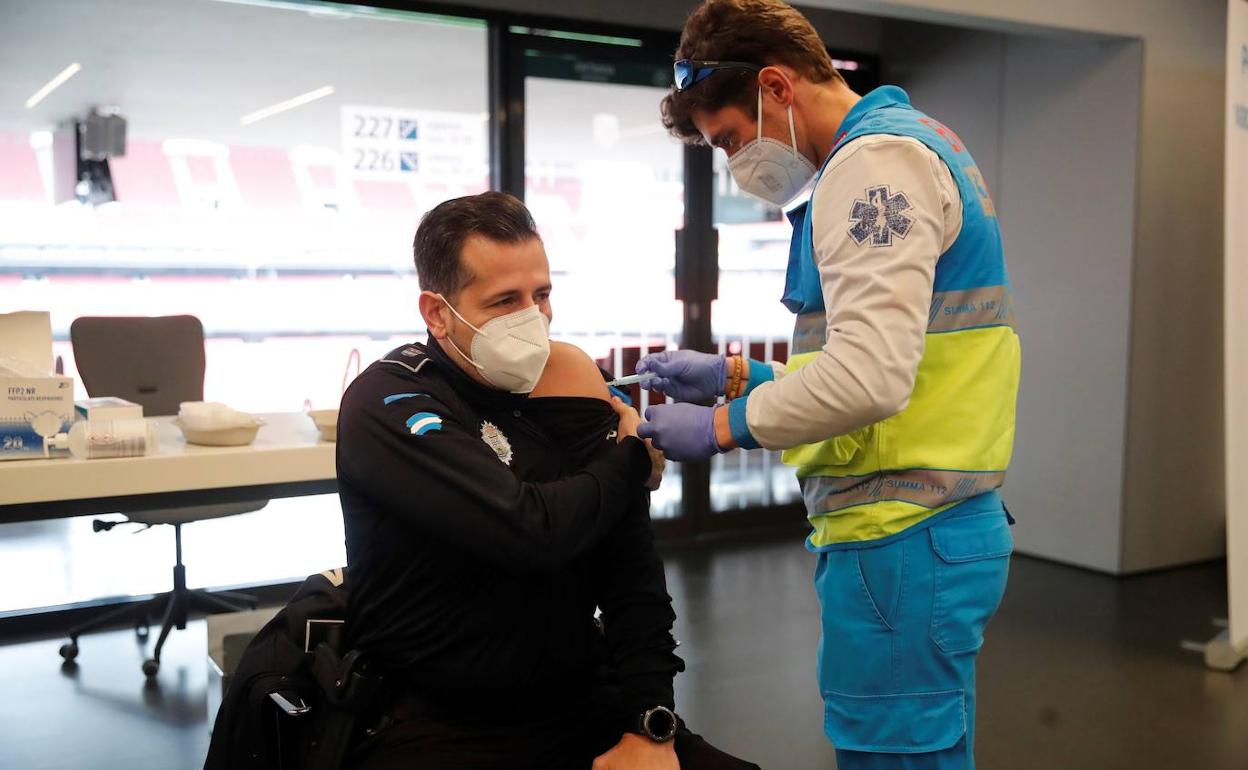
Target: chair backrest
(154, 361)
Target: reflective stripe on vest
(926, 487)
(950, 311)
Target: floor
(1080, 671)
(62, 561)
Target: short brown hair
(762, 32)
(439, 242)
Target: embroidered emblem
(496, 440)
(879, 217)
(423, 422)
(410, 352)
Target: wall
(1053, 123)
(1173, 480)
(1069, 149)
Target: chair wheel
(69, 651)
(150, 667)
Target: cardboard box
(33, 407)
(108, 408)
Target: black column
(697, 285)
(506, 100)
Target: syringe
(632, 379)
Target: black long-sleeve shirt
(483, 528)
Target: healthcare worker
(897, 401)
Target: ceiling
(193, 68)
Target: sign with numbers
(387, 143)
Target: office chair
(158, 363)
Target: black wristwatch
(658, 724)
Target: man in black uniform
(493, 498)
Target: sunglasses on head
(689, 72)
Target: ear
(434, 311)
(777, 83)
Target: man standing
(897, 402)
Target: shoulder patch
(400, 396)
(875, 220)
(423, 422)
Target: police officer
(897, 402)
(493, 498)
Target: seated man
(493, 498)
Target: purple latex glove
(681, 431)
(685, 375)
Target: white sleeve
(882, 214)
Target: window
(277, 159)
(271, 191)
(605, 183)
(749, 320)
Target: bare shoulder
(571, 372)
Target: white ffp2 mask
(510, 351)
(768, 169)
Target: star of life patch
(495, 439)
(878, 218)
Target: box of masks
(35, 404)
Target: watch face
(659, 724)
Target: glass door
(605, 183)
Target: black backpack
(288, 707)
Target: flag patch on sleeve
(422, 422)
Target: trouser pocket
(970, 570)
(904, 723)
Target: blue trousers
(902, 624)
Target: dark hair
(762, 32)
(439, 242)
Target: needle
(633, 379)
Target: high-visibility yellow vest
(954, 440)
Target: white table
(287, 459)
